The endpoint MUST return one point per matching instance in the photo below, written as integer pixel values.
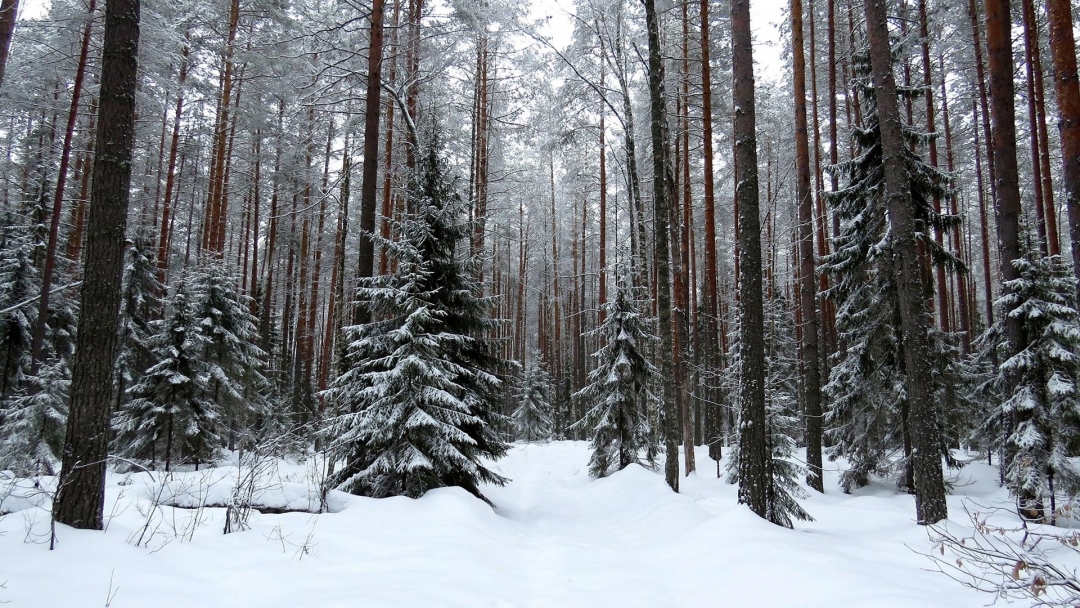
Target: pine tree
(868, 418)
(170, 416)
(422, 385)
(617, 398)
(534, 417)
(1045, 397)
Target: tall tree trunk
(58, 196)
(80, 496)
(1053, 238)
(556, 316)
(602, 290)
(214, 225)
(929, 483)
(388, 161)
(712, 306)
(663, 194)
(266, 321)
(170, 175)
(1031, 50)
(825, 313)
(75, 239)
(931, 127)
(1063, 51)
(412, 59)
(370, 175)
(811, 361)
(984, 224)
(681, 242)
(1007, 203)
(984, 105)
(753, 456)
(9, 12)
(963, 297)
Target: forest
(400, 240)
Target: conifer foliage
(205, 378)
(617, 398)
(534, 417)
(35, 420)
(170, 417)
(781, 415)
(420, 393)
(868, 419)
(1044, 401)
(234, 363)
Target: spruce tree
(141, 301)
(617, 399)
(170, 416)
(533, 418)
(422, 385)
(18, 282)
(868, 418)
(34, 421)
(233, 359)
(1044, 398)
(781, 414)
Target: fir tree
(1044, 403)
(422, 385)
(868, 418)
(617, 398)
(533, 418)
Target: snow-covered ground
(555, 538)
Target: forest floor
(555, 538)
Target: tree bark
(214, 224)
(81, 492)
(9, 12)
(370, 172)
(811, 362)
(984, 223)
(944, 319)
(929, 483)
(170, 176)
(1063, 51)
(711, 300)
(1007, 203)
(1031, 50)
(663, 194)
(753, 456)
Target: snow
(555, 538)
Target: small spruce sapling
(617, 398)
(533, 419)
